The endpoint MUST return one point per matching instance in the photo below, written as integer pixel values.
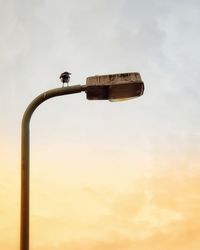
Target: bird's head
(65, 77)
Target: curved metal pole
(25, 153)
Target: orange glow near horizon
(103, 175)
(114, 207)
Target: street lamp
(114, 87)
(104, 87)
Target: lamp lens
(122, 92)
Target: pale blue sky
(142, 154)
(159, 39)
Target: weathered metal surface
(107, 80)
(114, 87)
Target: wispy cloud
(131, 178)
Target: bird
(65, 78)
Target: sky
(112, 176)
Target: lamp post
(105, 87)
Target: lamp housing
(114, 87)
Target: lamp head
(115, 87)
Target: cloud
(159, 39)
(157, 211)
(157, 215)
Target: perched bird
(65, 77)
